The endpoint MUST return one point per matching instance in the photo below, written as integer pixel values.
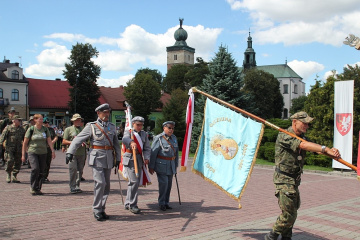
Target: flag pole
(194, 89)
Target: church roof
(279, 71)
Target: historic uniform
(164, 161)
(13, 135)
(101, 156)
(76, 166)
(48, 155)
(128, 162)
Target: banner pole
(194, 89)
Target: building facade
(13, 89)
(291, 84)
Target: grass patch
(306, 167)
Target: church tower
(180, 53)
(249, 55)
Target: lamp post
(76, 86)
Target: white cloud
(306, 69)
(135, 45)
(297, 22)
(115, 82)
(328, 74)
(50, 61)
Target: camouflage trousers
(13, 161)
(289, 202)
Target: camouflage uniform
(13, 136)
(3, 124)
(48, 155)
(289, 161)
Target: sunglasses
(171, 128)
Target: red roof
(48, 93)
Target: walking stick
(122, 198)
(177, 185)
(194, 89)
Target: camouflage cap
(12, 109)
(168, 122)
(16, 117)
(138, 119)
(31, 118)
(302, 116)
(75, 116)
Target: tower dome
(180, 35)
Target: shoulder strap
(169, 143)
(104, 134)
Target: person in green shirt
(76, 166)
(35, 141)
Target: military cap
(302, 116)
(31, 118)
(138, 119)
(168, 122)
(12, 109)
(16, 117)
(46, 120)
(75, 116)
(103, 107)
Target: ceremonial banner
(227, 149)
(187, 137)
(343, 118)
(123, 148)
(358, 159)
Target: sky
(130, 35)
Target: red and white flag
(187, 137)
(123, 148)
(144, 175)
(343, 120)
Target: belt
(102, 147)
(130, 151)
(295, 176)
(165, 158)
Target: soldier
(289, 161)
(76, 166)
(48, 155)
(140, 143)
(104, 154)
(164, 161)
(13, 135)
(5, 122)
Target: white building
(13, 89)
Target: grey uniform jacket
(161, 147)
(126, 140)
(98, 157)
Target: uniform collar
(102, 123)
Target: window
(285, 113)
(15, 95)
(175, 57)
(189, 58)
(295, 89)
(286, 89)
(1, 93)
(14, 74)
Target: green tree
(196, 74)
(156, 74)
(297, 104)
(82, 74)
(143, 94)
(265, 91)
(175, 110)
(175, 78)
(223, 82)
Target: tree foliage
(156, 74)
(223, 82)
(175, 110)
(196, 74)
(297, 104)
(264, 89)
(82, 74)
(143, 94)
(175, 78)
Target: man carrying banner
(132, 164)
(164, 161)
(289, 161)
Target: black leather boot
(271, 236)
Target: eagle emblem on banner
(343, 122)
